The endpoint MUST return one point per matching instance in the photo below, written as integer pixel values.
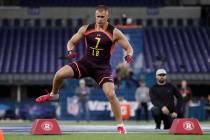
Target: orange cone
(1, 135)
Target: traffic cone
(1, 135)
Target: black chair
(179, 22)
(16, 22)
(160, 22)
(5, 22)
(170, 22)
(190, 22)
(37, 22)
(49, 22)
(149, 22)
(58, 22)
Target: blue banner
(99, 106)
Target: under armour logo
(188, 125)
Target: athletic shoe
(47, 97)
(121, 129)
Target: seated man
(162, 96)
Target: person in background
(163, 95)
(142, 97)
(124, 19)
(186, 93)
(207, 108)
(82, 92)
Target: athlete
(100, 38)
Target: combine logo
(47, 126)
(188, 125)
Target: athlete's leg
(63, 73)
(108, 88)
(109, 91)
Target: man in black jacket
(162, 96)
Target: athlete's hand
(71, 54)
(129, 59)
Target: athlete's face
(101, 17)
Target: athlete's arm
(122, 40)
(75, 39)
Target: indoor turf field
(97, 130)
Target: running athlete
(100, 38)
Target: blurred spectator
(3, 109)
(127, 22)
(82, 92)
(124, 19)
(207, 108)
(122, 72)
(186, 93)
(7, 112)
(142, 97)
(131, 81)
(124, 77)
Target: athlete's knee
(110, 94)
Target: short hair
(102, 7)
